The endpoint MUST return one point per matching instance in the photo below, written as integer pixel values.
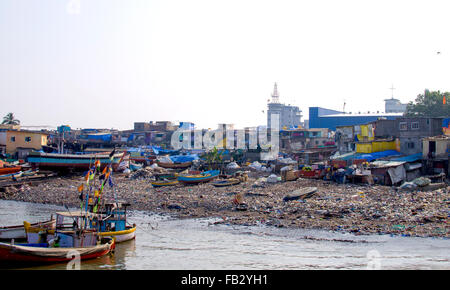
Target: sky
(110, 63)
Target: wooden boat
(160, 183)
(301, 193)
(174, 165)
(11, 175)
(199, 178)
(8, 170)
(55, 161)
(226, 182)
(18, 232)
(44, 253)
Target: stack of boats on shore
(10, 171)
(92, 231)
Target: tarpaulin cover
(376, 155)
(367, 156)
(184, 158)
(101, 137)
(409, 158)
(446, 122)
(397, 174)
(158, 150)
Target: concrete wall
(288, 115)
(3, 138)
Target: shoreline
(347, 208)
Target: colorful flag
(80, 188)
(111, 155)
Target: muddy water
(167, 243)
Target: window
(13, 139)
(403, 126)
(27, 139)
(414, 125)
(410, 145)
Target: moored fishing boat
(109, 223)
(112, 222)
(205, 176)
(18, 232)
(45, 253)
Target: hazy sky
(110, 63)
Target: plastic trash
(232, 165)
(273, 178)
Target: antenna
(392, 89)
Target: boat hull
(121, 236)
(26, 254)
(71, 161)
(174, 165)
(9, 170)
(164, 183)
(223, 183)
(195, 179)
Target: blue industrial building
(326, 118)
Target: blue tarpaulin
(409, 158)
(368, 156)
(446, 123)
(376, 155)
(158, 150)
(102, 137)
(183, 158)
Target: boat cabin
(114, 217)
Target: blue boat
(205, 176)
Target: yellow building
(21, 141)
(376, 146)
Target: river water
(195, 244)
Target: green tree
(213, 157)
(10, 119)
(429, 104)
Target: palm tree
(9, 119)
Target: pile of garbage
(259, 167)
(422, 184)
(147, 172)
